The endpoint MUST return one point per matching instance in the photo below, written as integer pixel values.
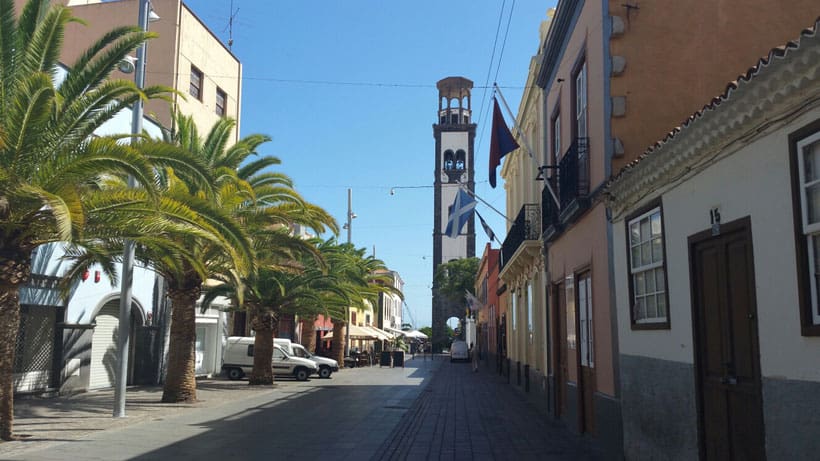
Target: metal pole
(349, 235)
(128, 253)
(526, 142)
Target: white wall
(756, 182)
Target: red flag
(501, 141)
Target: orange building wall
(587, 249)
(697, 47)
(586, 40)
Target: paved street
(428, 410)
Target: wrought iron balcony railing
(549, 209)
(527, 226)
(573, 176)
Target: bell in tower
(454, 168)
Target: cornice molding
(565, 12)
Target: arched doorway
(104, 345)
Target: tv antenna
(230, 26)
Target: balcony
(550, 222)
(573, 180)
(524, 235)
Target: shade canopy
(365, 332)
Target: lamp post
(349, 226)
(128, 252)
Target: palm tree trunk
(337, 345)
(309, 333)
(180, 381)
(262, 324)
(13, 273)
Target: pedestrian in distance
(474, 357)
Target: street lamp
(349, 226)
(145, 14)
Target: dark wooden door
(726, 340)
(586, 381)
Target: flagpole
(466, 189)
(526, 143)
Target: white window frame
(649, 268)
(514, 298)
(528, 303)
(581, 102)
(585, 323)
(809, 230)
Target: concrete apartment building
(615, 77)
(186, 56)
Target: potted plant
(399, 346)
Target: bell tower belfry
(454, 167)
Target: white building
(715, 257)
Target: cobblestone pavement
(431, 409)
(477, 416)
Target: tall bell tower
(455, 140)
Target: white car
(326, 366)
(459, 351)
(238, 361)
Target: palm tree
(48, 158)
(230, 257)
(362, 278)
(286, 273)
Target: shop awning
(357, 332)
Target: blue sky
(347, 92)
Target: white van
(326, 366)
(237, 360)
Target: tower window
(460, 159)
(454, 118)
(466, 119)
(449, 160)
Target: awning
(415, 334)
(383, 335)
(356, 332)
(412, 334)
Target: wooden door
(586, 381)
(725, 333)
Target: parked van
(326, 366)
(238, 360)
(459, 351)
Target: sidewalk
(44, 422)
(465, 415)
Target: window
(647, 269)
(449, 163)
(196, 83)
(581, 100)
(221, 97)
(514, 307)
(805, 148)
(353, 318)
(556, 140)
(528, 303)
(585, 320)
